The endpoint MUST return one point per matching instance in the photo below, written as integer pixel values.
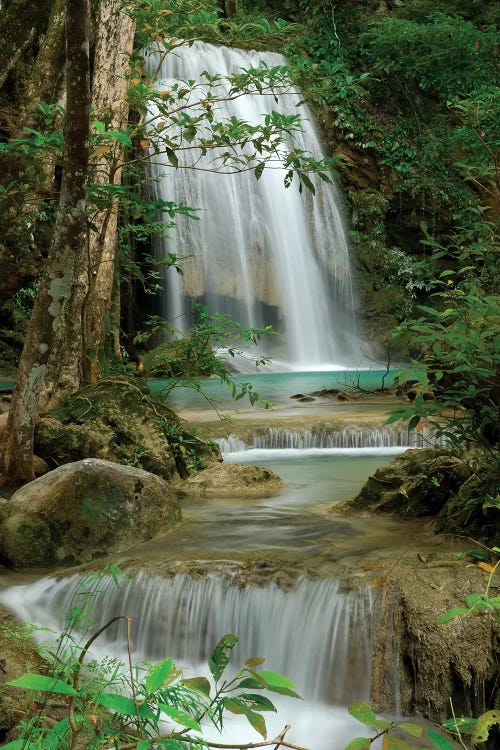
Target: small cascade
(261, 253)
(316, 634)
(321, 437)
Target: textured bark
(87, 309)
(114, 46)
(45, 80)
(21, 23)
(64, 256)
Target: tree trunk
(87, 309)
(115, 43)
(21, 22)
(65, 254)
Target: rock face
(233, 480)
(82, 511)
(417, 483)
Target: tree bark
(65, 254)
(114, 47)
(85, 330)
(21, 23)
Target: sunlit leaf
(44, 684)
(483, 726)
(157, 675)
(413, 729)
(201, 684)
(363, 712)
(180, 717)
(221, 655)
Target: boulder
(233, 480)
(82, 511)
(111, 420)
(416, 483)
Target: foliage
(458, 347)
(482, 602)
(186, 357)
(108, 704)
(395, 735)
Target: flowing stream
(261, 253)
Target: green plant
(395, 734)
(107, 705)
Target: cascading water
(330, 438)
(316, 634)
(261, 253)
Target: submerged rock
(233, 480)
(82, 511)
(416, 483)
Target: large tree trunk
(21, 23)
(109, 96)
(88, 309)
(65, 253)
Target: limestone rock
(82, 511)
(417, 483)
(233, 480)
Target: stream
(308, 628)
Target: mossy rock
(233, 480)
(121, 422)
(417, 483)
(18, 655)
(82, 511)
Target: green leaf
(144, 745)
(275, 680)
(359, 743)
(200, 684)
(15, 745)
(413, 421)
(120, 704)
(452, 613)
(221, 655)
(413, 729)
(438, 740)
(172, 157)
(180, 717)
(483, 725)
(257, 722)
(462, 724)
(157, 675)
(258, 702)
(44, 684)
(259, 169)
(364, 713)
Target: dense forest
(406, 96)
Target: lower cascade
(316, 634)
(345, 438)
(261, 253)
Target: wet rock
(417, 483)
(82, 511)
(233, 480)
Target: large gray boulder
(82, 511)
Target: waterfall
(316, 634)
(331, 438)
(261, 253)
